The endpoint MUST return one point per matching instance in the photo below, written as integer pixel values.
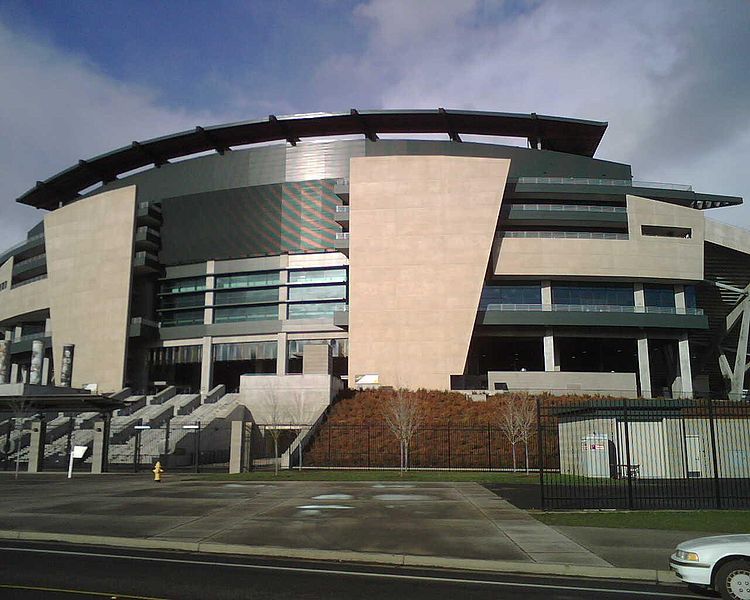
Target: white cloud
(56, 108)
(669, 76)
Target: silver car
(720, 562)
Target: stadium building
(196, 258)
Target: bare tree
(272, 408)
(403, 412)
(298, 417)
(19, 408)
(515, 417)
(526, 410)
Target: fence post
(167, 429)
(539, 450)
(627, 453)
(449, 445)
(136, 450)
(329, 443)
(714, 454)
(489, 448)
(368, 445)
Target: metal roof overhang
(572, 136)
(59, 403)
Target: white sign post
(76, 452)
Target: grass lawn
(719, 521)
(343, 475)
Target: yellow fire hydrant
(157, 472)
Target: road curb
(349, 556)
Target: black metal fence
(179, 444)
(482, 447)
(644, 454)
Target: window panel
(511, 294)
(318, 276)
(178, 286)
(187, 317)
(247, 296)
(588, 295)
(182, 301)
(691, 300)
(314, 311)
(320, 292)
(659, 295)
(246, 313)
(246, 280)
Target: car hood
(736, 543)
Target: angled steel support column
(644, 366)
(551, 352)
(36, 445)
(686, 374)
(738, 375)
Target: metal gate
(644, 453)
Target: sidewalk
(453, 525)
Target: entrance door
(693, 451)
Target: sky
(672, 77)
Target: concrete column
(47, 326)
(546, 295)
(66, 368)
(238, 448)
(679, 299)
(686, 374)
(4, 361)
(45, 371)
(551, 352)
(317, 359)
(37, 358)
(640, 298)
(13, 373)
(283, 294)
(281, 353)
(36, 445)
(644, 366)
(18, 332)
(207, 366)
(208, 313)
(101, 441)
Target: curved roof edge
(572, 136)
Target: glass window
(339, 353)
(186, 317)
(318, 276)
(511, 294)
(182, 301)
(247, 296)
(691, 299)
(590, 295)
(177, 286)
(659, 295)
(318, 292)
(246, 313)
(246, 280)
(315, 311)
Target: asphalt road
(68, 572)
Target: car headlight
(685, 555)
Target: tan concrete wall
(89, 263)
(21, 300)
(421, 233)
(641, 257)
(722, 234)
(561, 382)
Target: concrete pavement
(438, 524)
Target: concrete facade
(418, 259)
(639, 256)
(90, 307)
